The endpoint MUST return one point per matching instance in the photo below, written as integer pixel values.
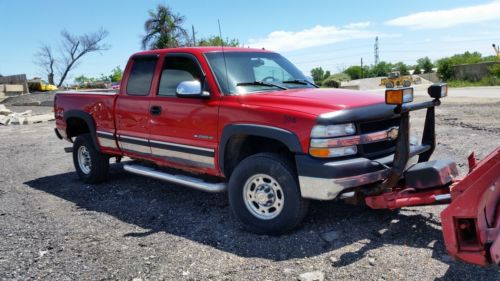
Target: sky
(330, 34)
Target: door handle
(155, 110)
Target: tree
(73, 48)
(217, 41)
(116, 74)
(164, 29)
(417, 70)
(425, 64)
(402, 68)
(318, 75)
(46, 60)
(445, 69)
(354, 71)
(381, 69)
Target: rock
(334, 259)
(330, 236)
(137, 279)
(312, 276)
(371, 261)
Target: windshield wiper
(300, 81)
(261, 83)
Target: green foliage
(417, 70)
(318, 75)
(334, 81)
(84, 79)
(217, 41)
(355, 72)
(486, 81)
(445, 69)
(164, 29)
(425, 64)
(116, 74)
(495, 70)
(381, 69)
(402, 68)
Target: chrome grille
(377, 149)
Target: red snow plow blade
(471, 222)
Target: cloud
(449, 18)
(313, 37)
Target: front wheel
(91, 165)
(265, 196)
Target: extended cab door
(132, 106)
(183, 131)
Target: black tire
(294, 206)
(406, 83)
(389, 85)
(98, 170)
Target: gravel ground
(33, 99)
(53, 227)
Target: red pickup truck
(249, 122)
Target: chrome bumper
(327, 189)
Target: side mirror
(190, 89)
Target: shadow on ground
(206, 219)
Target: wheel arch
(237, 131)
(79, 122)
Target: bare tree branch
(47, 61)
(75, 47)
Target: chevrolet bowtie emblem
(392, 133)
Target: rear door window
(141, 76)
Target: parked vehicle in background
(394, 79)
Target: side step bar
(178, 179)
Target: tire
(389, 85)
(406, 83)
(93, 169)
(266, 173)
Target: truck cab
(245, 121)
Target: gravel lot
(53, 227)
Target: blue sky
(331, 34)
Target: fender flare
(284, 136)
(88, 120)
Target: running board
(177, 179)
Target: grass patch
(486, 81)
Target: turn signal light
(398, 96)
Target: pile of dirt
(33, 99)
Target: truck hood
(313, 101)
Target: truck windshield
(252, 72)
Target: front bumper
(325, 179)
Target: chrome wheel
(263, 196)
(84, 160)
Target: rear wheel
(407, 83)
(265, 196)
(389, 84)
(91, 165)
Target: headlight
(333, 152)
(322, 131)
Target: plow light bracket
(437, 91)
(399, 96)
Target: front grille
(377, 149)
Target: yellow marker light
(333, 152)
(398, 96)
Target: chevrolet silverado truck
(248, 122)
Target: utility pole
(361, 68)
(376, 50)
(194, 38)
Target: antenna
(376, 50)
(224, 57)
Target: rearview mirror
(190, 89)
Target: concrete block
(4, 120)
(39, 118)
(4, 110)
